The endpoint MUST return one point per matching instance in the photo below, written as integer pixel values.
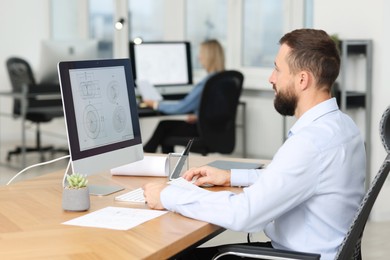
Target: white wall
(21, 32)
(360, 19)
(22, 26)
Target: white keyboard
(137, 195)
(134, 196)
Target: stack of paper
(149, 166)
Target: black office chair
(217, 115)
(350, 248)
(38, 109)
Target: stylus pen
(180, 163)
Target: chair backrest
(218, 109)
(350, 248)
(20, 73)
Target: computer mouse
(205, 185)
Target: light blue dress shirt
(189, 104)
(307, 196)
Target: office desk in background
(149, 112)
(31, 217)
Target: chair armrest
(256, 252)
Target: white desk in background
(149, 112)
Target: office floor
(375, 241)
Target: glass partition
(262, 27)
(205, 19)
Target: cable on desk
(66, 174)
(38, 164)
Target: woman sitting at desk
(212, 59)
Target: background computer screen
(162, 63)
(100, 114)
(53, 51)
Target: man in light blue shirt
(305, 199)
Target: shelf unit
(351, 99)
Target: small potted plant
(75, 196)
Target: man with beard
(305, 199)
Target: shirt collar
(314, 113)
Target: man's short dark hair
(314, 51)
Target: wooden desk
(31, 217)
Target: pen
(180, 163)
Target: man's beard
(286, 102)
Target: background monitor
(52, 52)
(162, 63)
(100, 114)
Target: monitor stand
(96, 190)
(103, 190)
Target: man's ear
(303, 79)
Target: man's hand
(152, 193)
(208, 175)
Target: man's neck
(310, 100)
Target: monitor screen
(162, 63)
(53, 52)
(100, 113)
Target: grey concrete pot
(75, 199)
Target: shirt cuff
(169, 196)
(172, 197)
(244, 177)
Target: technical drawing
(89, 88)
(91, 122)
(113, 91)
(102, 108)
(119, 119)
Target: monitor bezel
(69, 111)
(187, 45)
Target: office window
(67, 20)
(206, 19)
(261, 30)
(146, 19)
(308, 9)
(101, 26)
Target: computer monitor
(162, 63)
(100, 114)
(53, 51)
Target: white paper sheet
(149, 166)
(148, 91)
(115, 218)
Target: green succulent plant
(77, 181)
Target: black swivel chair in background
(350, 248)
(217, 115)
(40, 107)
